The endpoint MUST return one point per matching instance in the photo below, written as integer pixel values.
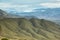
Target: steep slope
(2, 14)
(39, 29)
(28, 29)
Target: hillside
(13, 28)
(29, 29)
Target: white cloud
(57, 0)
(28, 10)
(8, 5)
(19, 8)
(43, 10)
(50, 5)
(4, 5)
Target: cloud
(57, 0)
(9, 5)
(50, 5)
(25, 1)
(26, 7)
(29, 10)
(4, 5)
(16, 7)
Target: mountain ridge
(25, 28)
(28, 29)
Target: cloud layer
(19, 8)
(50, 5)
(28, 8)
(27, 1)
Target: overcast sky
(28, 5)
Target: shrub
(4, 39)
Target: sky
(28, 5)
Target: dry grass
(33, 29)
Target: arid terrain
(28, 29)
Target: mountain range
(45, 13)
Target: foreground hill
(28, 29)
(33, 29)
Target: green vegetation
(4, 39)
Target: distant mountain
(52, 13)
(57, 21)
(45, 13)
(4, 14)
